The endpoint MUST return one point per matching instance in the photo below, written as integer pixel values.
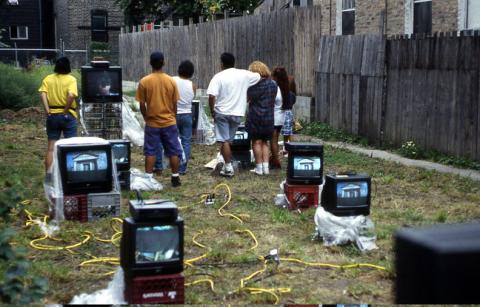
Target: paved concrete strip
(374, 153)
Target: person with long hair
(57, 94)
(280, 76)
(287, 107)
(259, 124)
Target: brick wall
(74, 13)
(395, 23)
(444, 15)
(369, 16)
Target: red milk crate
(156, 289)
(75, 208)
(301, 196)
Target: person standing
(259, 124)
(158, 96)
(227, 98)
(57, 94)
(287, 106)
(187, 90)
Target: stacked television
(304, 174)
(241, 148)
(151, 253)
(87, 179)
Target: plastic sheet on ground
(338, 230)
(131, 128)
(205, 133)
(52, 184)
(113, 294)
(140, 181)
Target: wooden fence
(422, 89)
(283, 38)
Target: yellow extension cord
(95, 261)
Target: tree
(137, 11)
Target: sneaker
(266, 171)
(256, 171)
(176, 181)
(227, 172)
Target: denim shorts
(58, 123)
(225, 127)
(167, 136)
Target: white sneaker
(227, 173)
(266, 171)
(256, 171)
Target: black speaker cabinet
(438, 264)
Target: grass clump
(328, 133)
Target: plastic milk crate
(301, 196)
(102, 205)
(156, 289)
(75, 208)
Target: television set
(437, 264)
(305, 163)
(85, 168)
(121, 153)
(101, 84)
(346, 194)
(152, 247)
(241, 140)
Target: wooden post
(190, 20)
(200, 19)
(180, 22)
(225, 14)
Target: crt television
(305, 163)
(437, 264)
(101, 84)
(152, 247)
(347, 194)
(85, 168)
(121, 153)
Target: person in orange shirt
(158, 96)
(57, 94)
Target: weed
(411, 150)
(328, 133)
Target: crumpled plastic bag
(139, 181)
(131, 128)
(338, 230)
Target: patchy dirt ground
(402, 196)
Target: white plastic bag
(338, 230)
(139, 181)
(131, 128)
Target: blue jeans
(159, 161)
(184, 125)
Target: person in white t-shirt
(187, 90)
(227, 99)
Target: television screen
(352, 194)
(101, 84)
(85, 168)
(307, 166)
(157, 244)
(120, 153)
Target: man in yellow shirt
(158, 96)
(57, 93)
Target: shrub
(19, 87)
(411, 150)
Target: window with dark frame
(422, 16)
(348, 17)
(18, 32)
(99, 26)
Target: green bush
(19, 87)
(327, 133)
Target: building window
(99, 26)
(18, 32)
(348, 17)
(422, 16)
(473, 14)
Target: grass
(408, 149)
(401, 196)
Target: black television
(152, 247)
(241, 140)
(437, 264)
(346, 194)
(305, 163)
(101, 84)
(85, 168)
(121, 153)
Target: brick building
(79, 22)
(390, 17)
